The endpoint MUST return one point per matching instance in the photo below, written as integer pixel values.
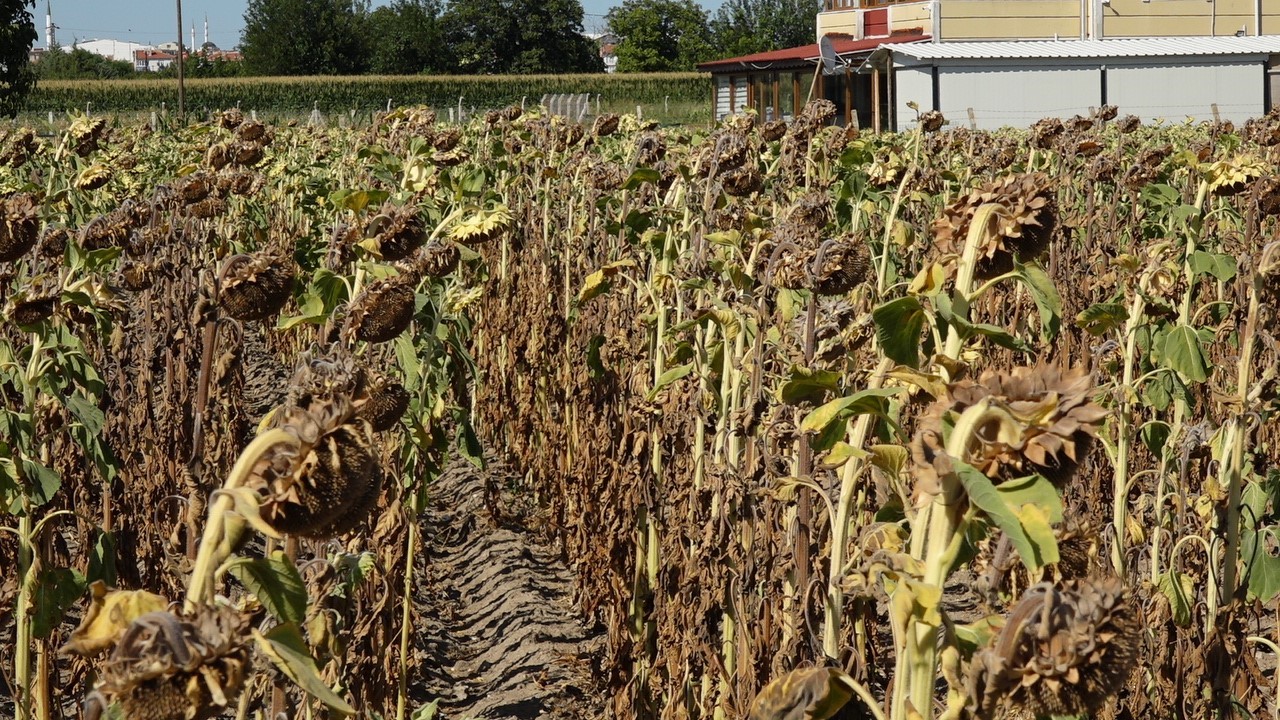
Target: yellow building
(952, 20)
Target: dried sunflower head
(256, 286)
(932, 121)
(605, 125)
(605, 176)
(193, 188)
(19, 226)
(1107, 113)
(34, 302)
(1044, 421)
(247, 154)
(840, 265)
(93, 177)
(450, 158)
(1267, 196)
(650, 148)
(385, 401)
(742, 181)
(819, 112)
(219, 155)
(210, 207)
(397, 230)
(436, 259)
(1061, 652)
(381, 311)
(53, 242)
(252, 131)
(1045, 132)
(85, 134)
(773, 130)
(812, 210)
(168, 666)
(446, 139)
(1025, 221)
(723, 152)
(307, 488)
(230, 119)
(1128, 124)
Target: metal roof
(1111, 48)
(806, 54)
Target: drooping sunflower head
(170, 666)
(1039, 420)
(1062, 651)
(256, 286)
(19, 226)
(381, 311)
(310, 487)
(1025, 219)
(397, 230)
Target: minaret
(193, 38)
(49, 42)
(206, 29)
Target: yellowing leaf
(110, 613)
(929, 282)
(598, 282)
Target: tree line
(508, 36)
(350, 37)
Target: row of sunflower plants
(260, 330)
(847, 377)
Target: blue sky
(154, 21)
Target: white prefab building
(113, 49)
(1014, 83)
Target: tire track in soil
(501, 637)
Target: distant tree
(660, 35)
(77, 64)
(17, 34)
(743, 27)
(304, 37)
(406, 37)
(201, 66)
(519, 36)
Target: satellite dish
(831, 63)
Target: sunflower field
(944, 424)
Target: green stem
(213, 548)
(940, 523)
(1232, 468)
(850, 473)
(979, 227)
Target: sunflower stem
(213, 543)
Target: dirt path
(503, 640)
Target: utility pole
(182, 87)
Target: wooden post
(849, 110)
(777, 97)
(182, 86)
(973, 122)
(875, 100)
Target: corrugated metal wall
(1014, 96)
(1004, 94)
(911, 85)
(1173, 92)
